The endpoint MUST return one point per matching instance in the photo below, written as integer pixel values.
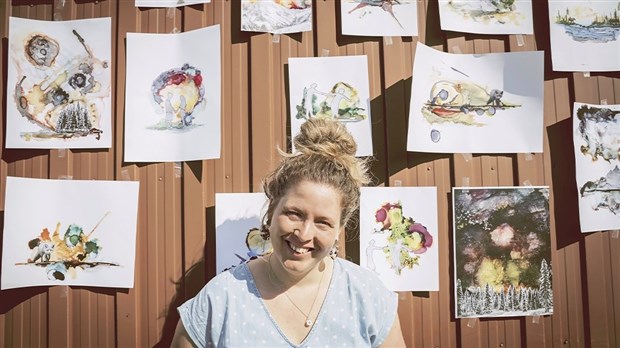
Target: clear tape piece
(603, 101)
(398, 183)
(64, 293)
(387, 40)
(324, 52)
(615, 234)
(456, 49)
(62, 153)
(65, 177)
(275, 38)
(536, 319)
(170, 12)
(467, 156)
(527, 183)
(57, 17)
(520, 40)
(125, 175)
(586, 74)
(178, 169)
(465, 182)
(59, 4)
(471, 322)
(175, 30)
(529, 157)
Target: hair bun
(326, 137)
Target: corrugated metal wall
(175, 247)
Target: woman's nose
(303, 232)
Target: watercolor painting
(239, 235)
(502, 251)
(485, 103)
(379, 17)
(172, 104)
(487, 16)
(589, 30)
(399, 236)
(75, 241)
(335, 88)
(59, 82)
(596, 139)
(169, 3)
(276, 16)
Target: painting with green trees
(585, 35)
(502, 252)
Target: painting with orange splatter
(172, 104)
(502, 251)
(81, 239)
(276, 16)
(59, 92)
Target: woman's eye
(324, 224)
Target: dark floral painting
(502, 252)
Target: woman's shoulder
(359, 276)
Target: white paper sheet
(466, 103)
(95, 243)
(172, 99)
(276, 16)
(487, 16)
(336, 83)
(363, 18)
(404, 253)
(596, 138)
(58, 84)
(581, 40)
(238, 219)
(169, 3)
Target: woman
(301, 294)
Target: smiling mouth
(298, 250)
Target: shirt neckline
(319, 316)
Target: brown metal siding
(175, 246)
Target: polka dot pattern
(358, 312)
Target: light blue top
(358, 311)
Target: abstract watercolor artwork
(399, 236)
(487, 16)
(172, 103)
(596, 138)
(486, 103)
(169, 3)
(335, 88)
(502, 251)
(276, 16)
(585, 35)
(379, 17)
(83, 233)
(58, 80)
(238, 234)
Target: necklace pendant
(308, 323)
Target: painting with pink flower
(502, 252)
(398, 236)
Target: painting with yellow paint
(502, 252)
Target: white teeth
(297, 249)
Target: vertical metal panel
(175, 242)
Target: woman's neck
(279, 276)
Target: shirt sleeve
(195, 315)
(387, 317)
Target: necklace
(308, 321)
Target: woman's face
(305, 225)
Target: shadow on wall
(566, 208)
(192, 281)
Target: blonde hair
(325, 154)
